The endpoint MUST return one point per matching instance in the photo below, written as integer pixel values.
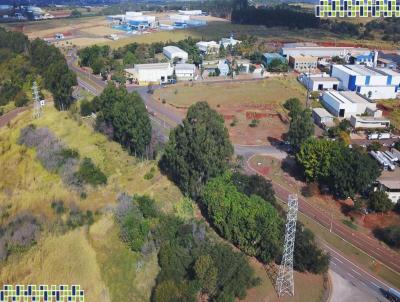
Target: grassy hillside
(92, 256)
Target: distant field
(272, 90)
(91, 30)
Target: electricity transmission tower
(37, 103)
(285, 282)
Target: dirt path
(7, 117)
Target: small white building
(179, 18)
(346, 103)
(173, 52)
(143, 74)
(196, 12)
(391, 186)
(223, 68)
(369, 122)
(229, 42)
(185, 72)
(133, 14)
(319, 82)
(322, 117)
(208, 47)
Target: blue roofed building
(268, 57)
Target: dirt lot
(240, 103)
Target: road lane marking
(337, 259)
(351, 275)
(374, 284)
(356, 272)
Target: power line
(37, 102)
(285, 281)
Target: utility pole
(37, 103)
(285, 281)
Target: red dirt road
(7, 117)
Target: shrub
(254, 123)
(58, 207)
(21, 99)
(90, 174)
(390, 235)
(86, 108)
(21, 232)
(146, 205)
(379, 202)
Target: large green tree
(249, 222)
(126, 115)
(301, 128)
(197, 150)
(379, 201)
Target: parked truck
(392, 295)
(373, 136)
(385, 135)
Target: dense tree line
(346, 171)
(247, 221)
(191, 263)
(301, 124)
(197, 150)
(29, 59)
(281, 15)
(241, 208)
(123, 117)
(390, 235)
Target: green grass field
(274, 90)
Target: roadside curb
(330, 287)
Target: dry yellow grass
(66, 259)
(273, 90)
(26, 185)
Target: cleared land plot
(271, 91)
(240, 103)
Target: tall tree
(379, 201)
(301, 128)
(197, 150)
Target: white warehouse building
(297, 49)
(143, 74)
(208, 47)
(375, 83)
(346, 103)
(185, 72)
(319, 82)
(173, 52)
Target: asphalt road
(341, 265)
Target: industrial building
(134, 21)
(391, 186)
(318, 82)
(346, 103)
(223, 68)
(369, 122)
(268, 57)
(302, 63)
(312, 49)
(322, 117)
(174, 53)
(196, 12)
(229, 42)
(208, 47)
(143, 74)
(185, 72)
(375, 83)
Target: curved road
(339, 263)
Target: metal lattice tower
(285, 281)
(37, 106)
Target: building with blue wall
(375, 83)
